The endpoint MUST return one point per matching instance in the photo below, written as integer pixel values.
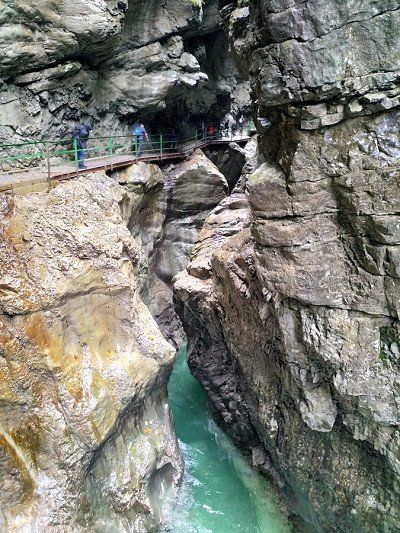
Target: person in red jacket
(211, 131)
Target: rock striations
(291, 300)
(86, 439)
(110, 62)
(284, 258)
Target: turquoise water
(220, 493)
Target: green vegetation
(390, 345)
(382, 356)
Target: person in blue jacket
(140, 134)
(81, 134)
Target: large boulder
(196, 187)
(165, 212)
(86, 440)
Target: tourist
(228, 124)
(173, 138)
(81, 134)
(241, 122)
(140, 134)
(203, 131)
(231, 125)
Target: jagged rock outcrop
(108, 62)
(86, 439)
(293, 327)
(195, 187)
(165, 210)
(229, 160)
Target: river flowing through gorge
(220, 492)
(261, 227)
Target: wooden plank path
(17, 180)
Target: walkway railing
(47, 154)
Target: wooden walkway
(10, 181)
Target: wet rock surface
(110, 63)
(165, 211)
(292, 320)
(86, 439)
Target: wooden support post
(161, 146)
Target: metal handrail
(160, 146)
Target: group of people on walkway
(81, 135)
(231, 126)
(228, 128)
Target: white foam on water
(221, 492)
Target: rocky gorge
(276, 262)
(292, 311)
(110, 61)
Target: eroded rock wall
(165, 210)
(109, 63)
(86, 438)
(293, 328)
(100, 61)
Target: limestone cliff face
(165, 210)
(109, 62)
(293, 323)
(86, 440)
